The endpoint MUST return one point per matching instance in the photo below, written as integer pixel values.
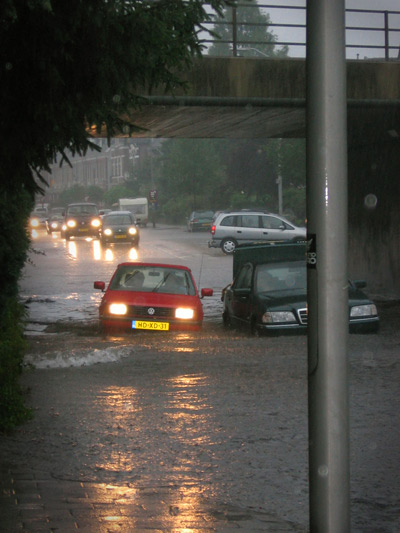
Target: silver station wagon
(231, 228)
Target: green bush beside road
(15, 208)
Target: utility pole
(327, 279)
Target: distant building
(111, 166)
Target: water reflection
(108, 253)
(157, 434)
(127, 507)
(72, 249)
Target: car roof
(82, 203)
(119, 213)
(164, 265)
(240, 211)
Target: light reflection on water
(186, 416)
(72, 249)
(109, 253)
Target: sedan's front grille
(303, 316)
(147, 311)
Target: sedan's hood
(297, 298)
(287, 298)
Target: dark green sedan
(269, 297)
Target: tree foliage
(254, 38)
(71, 65)
(194, 174)
(68, 67)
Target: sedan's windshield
(153, 279)
(280, 276)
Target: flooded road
(57, 285)
(185, 432)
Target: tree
(252, 33)
(73, 65)
(191, 174)
(69, 67)
(117, 191)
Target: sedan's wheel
(228, 246)
(226, 317)
(254, 329)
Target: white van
(138, 207)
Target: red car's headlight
(118, 309)
(184, 312)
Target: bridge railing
(370, 33)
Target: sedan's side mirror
(99, 285)
(206, 292)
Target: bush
(15, 208)
(12, 349)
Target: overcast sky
(375, 20)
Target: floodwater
(217, 419)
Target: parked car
(81, 220)
(231, 228)
(200, 220)
(151, 296)
(119, 226)
(271, 295)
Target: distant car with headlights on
(151, 296)
(269, 293)
(119, 226)
(38, 218)
(81, 220)
(55, 220)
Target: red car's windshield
(153, 279)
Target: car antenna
(201, 268)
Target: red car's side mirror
(99, 285)
(206, 292)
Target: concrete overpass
(261, 98)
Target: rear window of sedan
(117, 220)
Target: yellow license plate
(144, 324)
(83, 229)
(120, 236)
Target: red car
(151, 296)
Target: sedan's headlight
(118, 309)
(34, 222)
(54, 225)
(278, 316)
(107, 231)
(71, 223)
(363, 310)
(96, 223)
(184, 312)
(132, 231)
